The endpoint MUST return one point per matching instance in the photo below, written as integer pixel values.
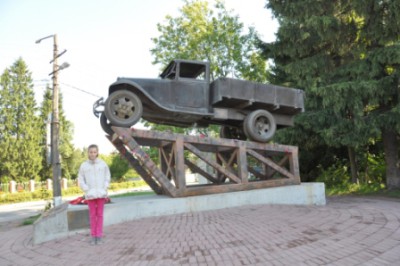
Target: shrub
(44, 194)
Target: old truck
(185, 96)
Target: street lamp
(55, 125)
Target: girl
(94, 179)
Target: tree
(20, 135)
(200, 34)
(345, 55)
(66, 148)
(380, 62)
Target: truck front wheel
(123, 108)
(105, 125)
(260, 126)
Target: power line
(81, 90)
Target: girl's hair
(93, 146)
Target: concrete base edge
(66, 219)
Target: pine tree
(20, 137)
(345, 54)
(66, 147)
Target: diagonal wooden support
(271, 164)
(144, 158)
(136, 165)
(196, 169)
(215, 165)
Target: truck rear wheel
(123, 108)
(260, 126)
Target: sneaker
(99, 241)
(93, 241)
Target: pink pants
(96, 209)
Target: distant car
(184, 96)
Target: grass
(129, 194)
(363, 190)
(30, 220)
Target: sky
(104, 39)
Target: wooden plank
(294, 163)
(242, 164)
(179, 165)
(229, 187)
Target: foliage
(44, 194)
(69, 156)
(118, 166)
(357, 189)
(20, 142)
(345, 56)
(131, 194)
(125, 185)
(214, 35)
(30, 220)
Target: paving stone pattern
(347, 231)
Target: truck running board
(216, 165)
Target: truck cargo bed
(242, 94)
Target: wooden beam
(195, 169)
(179, 165)
(145, 159)
(271, 164)
(218, 167)
(156, 187)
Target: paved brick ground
(347, 231)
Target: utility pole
(55, 124)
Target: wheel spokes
(262, 126)
(123, 108)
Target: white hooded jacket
(94, 178)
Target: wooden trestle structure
(233, 165)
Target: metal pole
(55, 155)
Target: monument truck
(185, 96)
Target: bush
(335, 176)
(126, 185)
(43, 194)
(71, 191)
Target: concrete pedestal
(70, 219)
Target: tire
(123, 108)
(105, 125)
(260, 126)
(232, 133)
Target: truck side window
(193, 71)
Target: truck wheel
(260, 126)
(232, 133)
(105, 125)
(123, 108)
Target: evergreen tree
(345, 55)
(45, 118)
(20, 137)
(66, 148)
